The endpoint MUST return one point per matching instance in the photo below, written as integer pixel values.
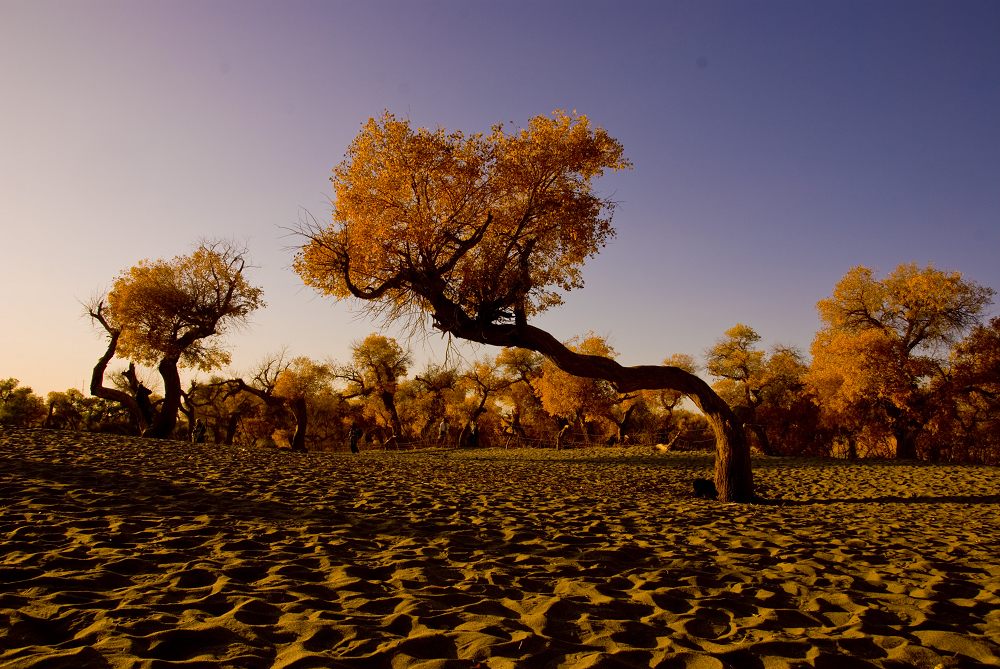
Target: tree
(527, 418)
(966, 428)
(272, 410)
(379, 364)
(300, 385)
(169, 313)
(19, 405)
(480, 386)
(481, 232)
(788, 412)
(766, 390)
(581, 400)
(740, 365)
(885, 341)
(432, 396)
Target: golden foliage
(885, 341)
(169, 308)
(574, 397)
(492, 222)
(303, 379)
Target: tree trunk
(389, 402)
(98, 389)
(298, 406)
(906, 443)
(166, 420)
(762, 440)
(231, 425)
(733, 472)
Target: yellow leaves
(168, 308)
(380, 360)
(885, 339)
(568, 396)
(492, 222)
(922, 306)
(303, 379)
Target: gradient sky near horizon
(776, 144)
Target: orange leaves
(572, 397)
(303, 379)
(885, 343)
(168, 308)
(494, 224)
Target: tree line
(479, 233)
(904, 366)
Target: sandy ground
(122, 552)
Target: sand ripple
(122, 552)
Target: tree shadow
(886, 499)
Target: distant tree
(480, 386)
(19, 405)
(430, 397)
(70, 410)
(483, 382)
(660, 404)
(966, 427)
(739, 364)
(766, 390)
(168, 313)
(378, 365)
(668, 399)
(883, 344)
(262, 421)
(481, 232)
(219, 405)
(581, 400)
(300, 385)
(524, 419)
(788, 412)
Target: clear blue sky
(776, 144)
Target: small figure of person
(473, 434)
(355, 436)
(559, 436)
(443, 431)
(198, 433)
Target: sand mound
(121, 552)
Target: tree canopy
(491, 224)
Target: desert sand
(124, 552)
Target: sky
(775, 145)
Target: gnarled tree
(480, 231)
(168, 313)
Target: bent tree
(481, 231)
(167, 313)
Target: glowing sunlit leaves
(493, 223)
(884, 341)
(170, 308)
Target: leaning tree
(481, 232)
(168, 313)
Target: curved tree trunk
(298, 406)
(97, 388)
(733, 472)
